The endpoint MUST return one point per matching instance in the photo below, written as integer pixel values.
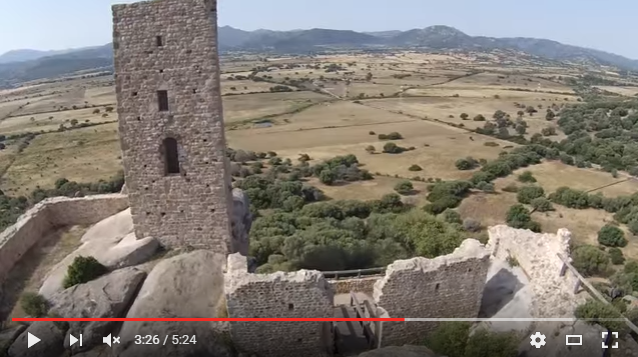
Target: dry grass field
(554, 174)
(83, 155)
(436, 88)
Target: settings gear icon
(537, 340)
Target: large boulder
(8, 336)
(241, 220)
(187, 285)
(51, 341)
(105, 297)
(110, 241)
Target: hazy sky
(606, 25)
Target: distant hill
(22, 65)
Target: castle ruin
(171, 124)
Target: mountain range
(22, 65)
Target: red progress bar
(201, 319)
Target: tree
(541, 204)
(96, 111)
(415, 167)
(527, 193)
(404, 187)
(368, 77)
(519, 217)
(34, 305)
(479, 117)
(74, 122)
(550, 115)
(392, 148)
(521, 129)
(452, 216)
(108, 109)
(531, 110)
(499, 114)
(327, 177)
(520, 113)
(611, 236)
(370, 149)
(468, 163)
(549, 131)
(589, 260)
(598, 312)
(616, 256)
(464, 116)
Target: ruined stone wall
(171, 45)
(447, 286)
(536, 255)
(363, 285)
(48, 215)
(298, 294)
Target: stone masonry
(536, 254)
(302, 294)
(47, 216)
(170, 122)
(447, 286)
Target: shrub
(519, 217)
(404, 187)
(611, 236)
(453, 339)
(490, 143)
(464, 116)
(452, 216)
(479, 117)
(527, 193)
(590, 260)
(510, 188)
(327, 177)
(391, 136)
(372, 133)
(34, 305)
(485, 186)
(526, 177)
(542, 204)
(415, 168)
(468, 163)
(616, 256)
(392, 148)
(471, 225)
(597, 312)
(83, 270)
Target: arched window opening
(171, 156)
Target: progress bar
(409, 319)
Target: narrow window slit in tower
(171, 157)
(159, 41)
(162, 100)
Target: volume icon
(107, 340)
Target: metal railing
(357, 273)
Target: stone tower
(170, 122)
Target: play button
(31, 340)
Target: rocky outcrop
(241, 220)
(108, 296)
(111, 242)
(188, 285)
(8, 336)
(51, 344)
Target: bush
(468, 163)
(479, 117)
(83, 270)
(452, 216)
(35, 305)
(490, 144)
(404, 187)
(542, 204)
(519, 217)
(415, 168)
(597, 312)
(526, 177)
(453, 339)
(471, 225)
(327, 177)
(611, 236)
(616, 256)
(391, 136)
(510, 188)
(464, 116)
(485, 186)
(392, 148)
(527, 193)
(590, 260)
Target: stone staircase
(349, 336)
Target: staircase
(349, 336)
